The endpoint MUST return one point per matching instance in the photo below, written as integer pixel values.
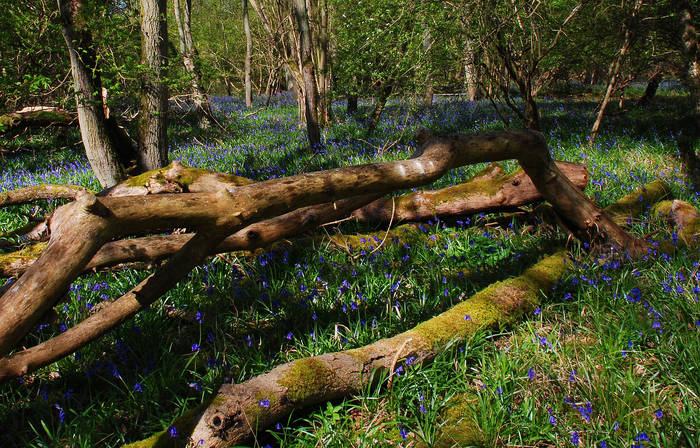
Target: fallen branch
(80, 228)
(490, 190)
(238, 410)
(39, 116)
(38, 192)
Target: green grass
(629, 331)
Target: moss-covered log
(38, 192)
(238, 410)
(633, 204)
(40, 116)
(489, 191)
(686, 219)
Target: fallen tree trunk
(80, 228)
(489, 191)
(39, 116)
(238, 410)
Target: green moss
(460, 427)
(142, 179)
(26, 254)
(185, 177)
(637, 202)
(662, 209)
(184, 424)
(304, 379)
(492, 305)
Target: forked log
(80, 228)
(238, 410)
(489, 191)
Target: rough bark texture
(33, 117)
(100, 150)
(79, 229)
(490, 191)
(248, 57)
(236, 411)
(376, 114)
(153, 142)
(307, 72)
(352, 104)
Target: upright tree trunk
(614, 73)
(652, 87)
(248, 56)
(352, 104)
(470, 73)
(690, 41)
(189, 60)
(379, 106)
(153, 144)
(325, 111)
(307, 73)
(99, 148)
(429, 89)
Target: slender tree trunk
(652, 87)
(325, 111)
(99, 148)
(429, 89)
(379, 108)
(307, 71)
(189, 60)
(153, 144)
(614, 73)
(248, 56)
(470, 73)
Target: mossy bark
(489, 191)
(241, 409)
(635, 203)
(33, 117)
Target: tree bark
(33, 117)
(652, 87)
(690, 50)
(248, 57)
(376, 114)
(352, 104)
(100, 150)
(153, 139)
(614, 72)
(307, 71)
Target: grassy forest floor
(611, 358)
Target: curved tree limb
(38, 192)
